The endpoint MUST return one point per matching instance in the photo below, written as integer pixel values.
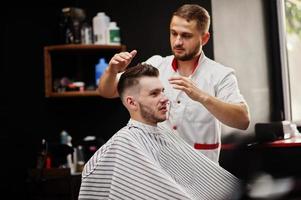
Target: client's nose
(164, 99)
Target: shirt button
(174, 127)
(178, 101)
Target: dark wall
(26, 115)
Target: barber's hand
(120, 61)
(189, 87)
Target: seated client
(146, 161)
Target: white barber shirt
(190, 119)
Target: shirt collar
(174, 63)
(143, 126)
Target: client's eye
(154, 94)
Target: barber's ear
(205, 38)
(131, 102)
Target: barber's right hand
(120, 61)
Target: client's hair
(132, 75)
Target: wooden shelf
(68, 47)
(74, 94)
(70, 51)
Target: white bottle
(107, 26)
(100, 28)
(66, 139)
(113, 34)
(86, 34)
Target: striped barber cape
(147, 162)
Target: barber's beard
(190, 55)
(149, 115)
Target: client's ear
(131, 103)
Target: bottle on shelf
(44, 160)
(86, 34)
(100, 24)
(113, 34)
(66, 140)
(80, 161)
(99, 69)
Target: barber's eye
(173, 33)
(186, 36)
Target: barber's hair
(132, 75)
(197, 13)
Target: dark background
(26, 115)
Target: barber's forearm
(233, 115)
(107, 86)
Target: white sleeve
(228, 90)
